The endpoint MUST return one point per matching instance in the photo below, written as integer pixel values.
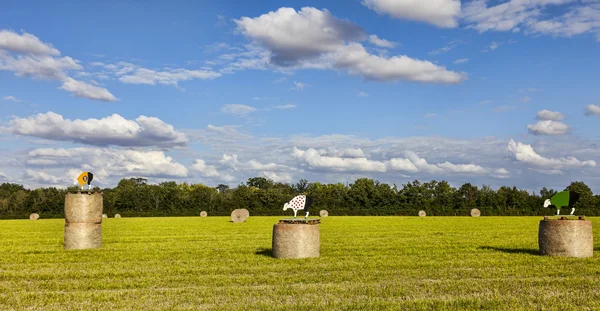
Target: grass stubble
(366, 263)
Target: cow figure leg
(557, 212)
(295, 211)
(572, 210)
(305, 217)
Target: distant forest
(261, 196)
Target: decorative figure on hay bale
(299, 202)
(83, 179)
(563, 199)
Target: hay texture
(117, 215)
(203, 214)
(566, 238)
(296, 240)
(323, 213)
(422, 214)
(34, 216)
(83, 235)
(83, 220)
(240, 215)
(475, 213)
(83, 207)
(104, 216)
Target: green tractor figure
(563, 199)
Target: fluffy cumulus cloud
(572, 17)
(112, 130)
(442, 13)
(205, 170)
(27, 56)
(548, 127)
(550, 115)
(411, 164)
(592, 110)
(382, 43)
(82, 89)
(111, 163)
(296, 40)
(525, 153)
(549, 124)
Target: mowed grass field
(366, 263)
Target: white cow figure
(299, 202)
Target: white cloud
(444, 49)
(278, 177)
(526, 99)
(501, 173)
(292, 35)
(25, 43)
(107, 162)
(357, 61)
(461, 60)
(515, 15)
(343, 152)
(524, 153)
(548, 127)
(237, 109)
(298, 86)
(12, 99)
(229, 131)
(412, 163)
(204, 169)
(295, 40)
(45, 178)
(592, 110)
(37, 60)
(314, 159)
(442, 13)
(363, 94)
(286, 106)
(166, 77)
(550, 115)
(112, 130)
(380, 42)
(494, 45)
(254, 165)
(84, 90)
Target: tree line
(261, 196)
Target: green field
(366, 263)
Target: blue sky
(496, 92)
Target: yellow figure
(85, 178)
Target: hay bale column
(83, 220)
(297, 238)
(566, 237)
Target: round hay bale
(117, 215)
(240, 215)
(203, 214)
(475, 213)
(34, 216)
(323, 213)
(296, 240)
(104, 216)
(422, 214)
(566, 238)
(83, 220)
(83, 207)
(83, 235)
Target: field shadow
(529, 251)
(264, 252)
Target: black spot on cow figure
(299, 202)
